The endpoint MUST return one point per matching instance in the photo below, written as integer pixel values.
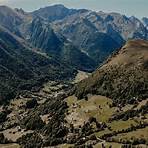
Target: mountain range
(83, 39)
(95, 33)
(70, 33)
(73, 78)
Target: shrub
(33, 122)
(3, 140)
(31, 140)
(31, 103)
(3, 116)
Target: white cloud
(3, 1)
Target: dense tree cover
(124, 86)
(3, 140)
(109, 136)
(3, 116)
(23, 69)
(131, 113)
(33, 122)
(31, 103)
(31, 140)
(55, 131)
(121, 77)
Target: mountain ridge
(78, 26)
(123, 77)
(23, 69)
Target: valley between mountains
(73, 79)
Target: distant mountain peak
(58, 6)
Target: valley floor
(88, 119)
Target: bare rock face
(53, 13)
(92, 32)
(10, 19)
(39, 35)
(145, 21)
(69, 33)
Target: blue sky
(137, 8)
